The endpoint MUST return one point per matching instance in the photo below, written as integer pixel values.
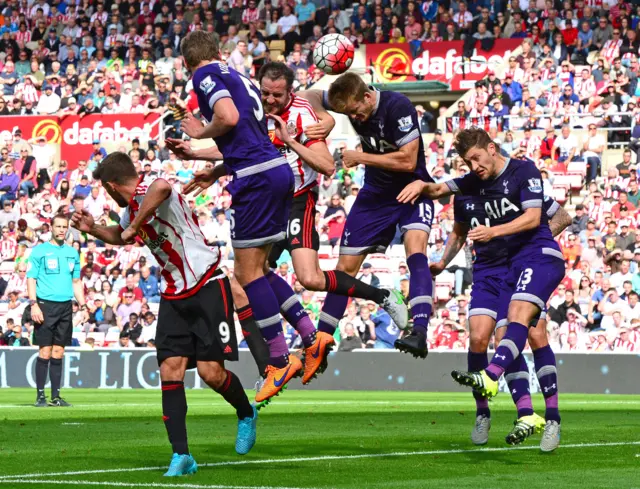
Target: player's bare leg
(227, 384)
(250, 330)
(174, 415)
(311, 276)
(545, 364)
(420, 293)
(480, 329)
(332, 312)
(249, 263)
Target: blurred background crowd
(565, 99)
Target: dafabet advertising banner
(438, 61)
(76, 134)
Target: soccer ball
(333, 54)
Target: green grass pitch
(315, 440)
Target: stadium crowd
(62, 58)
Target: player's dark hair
(276, 71)
(471, 138)
(345, 89)
(117, 168)
(199, 46)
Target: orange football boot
(277, 378)
(315, 358)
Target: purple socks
(545, 362)
(291, 309)
(508, 350)
(267, 315)
(475, 363)
(332, 312)
(517, 377)
(420, 291)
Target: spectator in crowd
(351, 341)
(149, 285)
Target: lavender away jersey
(490, 258)
(503, 199)
(393, 124)
(248, 143)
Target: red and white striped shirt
(619, 345)
(128, 257)
(25, 36)
(611, 186)
(8, 249)
(177, 243)
(585, 88)
(28, 93)
(298, 115)
(611, 49)
(17, 284)
(596, 212)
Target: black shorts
(199, 327)
(57, 328)
(301, 229)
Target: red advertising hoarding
(75, 134)
(438, 61)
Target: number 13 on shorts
(524, 279)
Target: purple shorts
(374, 217)
(486, 292)
(532, 279)
(260, 206)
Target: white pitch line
(215, 404)
(138, 484)
(322, 458)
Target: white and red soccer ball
(333, 54)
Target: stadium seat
(112, 337)
(324, 252)
(277, 45)
(577, 180)
(560, 193)
(577, 167)
(81, 337)
(98, 337)
(443, 292)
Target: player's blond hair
(346, 89)
(471, 138)
(199, 46)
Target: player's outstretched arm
(183, 150)
(317, 155)
(431, 190)
(83, 222)
(559, 222)
(322, 129)
(403, 160)
(455, 242)
(530, 219)
(157, 193)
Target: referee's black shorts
(57, 328)
(199, 327)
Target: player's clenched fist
(411, 192)
(351, 158)
(82, 221)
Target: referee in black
(53, 280)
